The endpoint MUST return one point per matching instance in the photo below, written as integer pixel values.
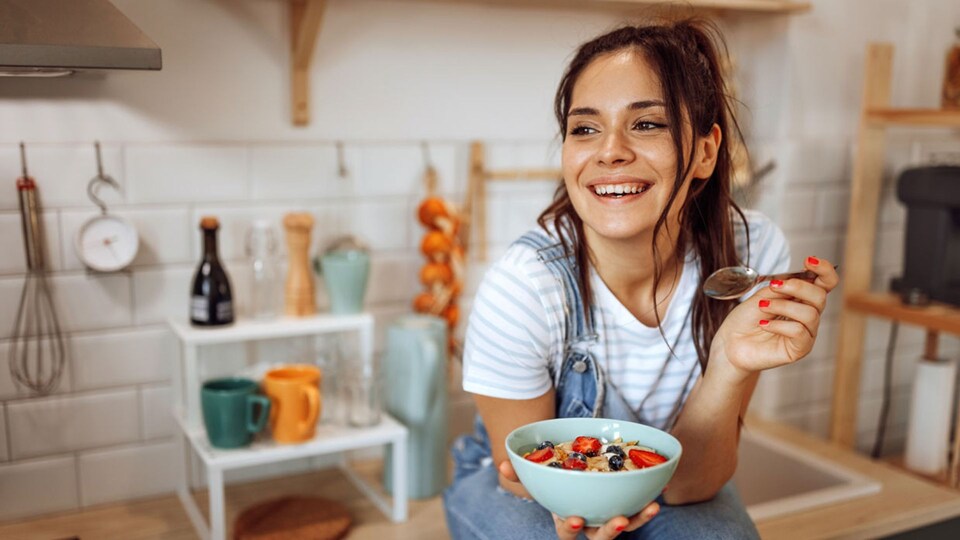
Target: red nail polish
(575, 526)
(764, 322)
(813, 261)
(775, 283)
(764, 303)
(621, 527)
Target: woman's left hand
(777, 325)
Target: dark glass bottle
(211, 303)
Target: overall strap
(578, 325)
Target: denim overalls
(477, 507)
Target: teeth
(619, 189)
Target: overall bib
(477, 507)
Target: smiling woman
(600, 311)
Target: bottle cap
(209, 222)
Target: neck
(627, 267)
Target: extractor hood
(59, 37)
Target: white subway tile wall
(123, 358)
(38, 486)
(62, 424)
(109, 423)
(128, 473)
(156, 405)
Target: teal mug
(345, 276)
(414, 375)
(230, 411)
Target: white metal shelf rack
(329, 439)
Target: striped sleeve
(508, 336)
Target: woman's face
(619, 162)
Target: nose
(614, 150)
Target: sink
(775, 477)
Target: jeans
(477, 508)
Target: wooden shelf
(306, 18)
(936, 316)
(914, 117)
(756, 6)
(759, 6)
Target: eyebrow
(636, 105)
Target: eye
(646, 125)
(582, 130)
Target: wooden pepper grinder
(300, 294)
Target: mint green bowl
(597, 497)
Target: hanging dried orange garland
(444, 270)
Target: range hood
(58, 37)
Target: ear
(706, 157)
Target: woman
(600, 311)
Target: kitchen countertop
(905, 502)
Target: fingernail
(813, 261)
(575, 526)
(652, 512)
(764, 303)
(764, 322)
(776, 283)
(620, 527)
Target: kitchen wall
(211, 134)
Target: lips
(618, 189)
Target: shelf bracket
(305, 19)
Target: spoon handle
(805, 275)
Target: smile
(619, 190)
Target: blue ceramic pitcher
(414, 369)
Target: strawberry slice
(574, 464)
(539, 456)
(587, 446)
(643, 458)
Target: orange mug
(294, 392)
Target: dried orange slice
(436, 273)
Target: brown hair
(686, 54)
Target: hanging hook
(95, 182)
(427, 162)
(23, 159)
(342, 171)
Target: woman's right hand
(569, 528)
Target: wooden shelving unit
(936, 317)
(859, 302)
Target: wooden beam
(476, 207)
(861, 235)
(305, 19)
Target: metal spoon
(735, 281)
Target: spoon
(734, 281)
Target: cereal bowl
(597, 497)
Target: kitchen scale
(105, 243)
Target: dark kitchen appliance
(931, 259)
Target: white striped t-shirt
(516, 329)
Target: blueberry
(545, 444)
(616, 462)
(555, 465)
(578, 455)
(614, 449)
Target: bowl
(597, 497)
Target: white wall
(211, 134)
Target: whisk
(36, 351)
